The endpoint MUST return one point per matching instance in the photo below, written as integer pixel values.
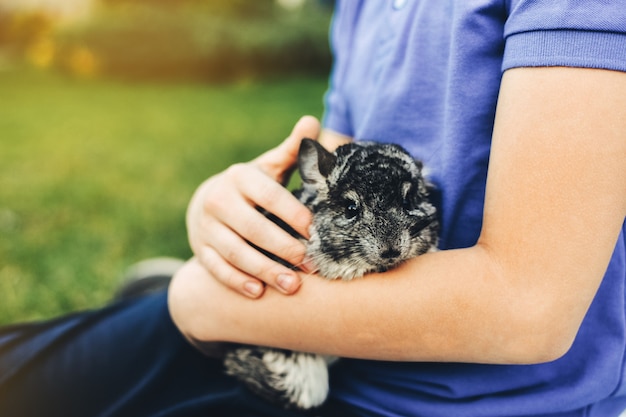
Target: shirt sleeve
(582, 33)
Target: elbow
(535, 318)
(533, 351)
(543, 335)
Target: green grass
(96, 175)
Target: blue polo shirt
(426, 74)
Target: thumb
(281, 160)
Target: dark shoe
(147, 277)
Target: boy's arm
(555, 204)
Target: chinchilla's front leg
(291, 379)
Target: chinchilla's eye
(352, 209)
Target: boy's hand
(222, 216)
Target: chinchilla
(370, 213)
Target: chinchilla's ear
(314, 163)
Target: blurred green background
(112, 112)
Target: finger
(236, 214)
(282, 204)
(241, 266)
(228, 275)
(268, 194)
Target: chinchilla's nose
(390, 253)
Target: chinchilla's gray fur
(370, 213)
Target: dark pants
(124, 360)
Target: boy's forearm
(400, 315)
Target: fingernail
(307, 265)
(253, 288)
(287, 283)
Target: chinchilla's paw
(291, 379)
